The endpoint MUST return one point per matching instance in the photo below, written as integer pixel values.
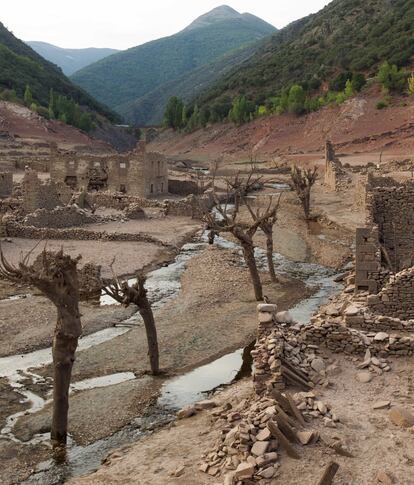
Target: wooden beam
(329, 474)
(298, 415)
(276, 433)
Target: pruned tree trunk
(55, 275)
(248, 253)
(303, 181)
(269, 254)
(136, 294)
(151, 330)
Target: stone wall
(334, 172)
(6, 184)
(138, 173)
(367, 259)
(89, 277)
(396, 297)
(391, 209)
(338, 338)
(15, 229)
(61, 217)
(38, 195)
(182, 187)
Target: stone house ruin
(385, 248)
(6, 184)
(138, 173)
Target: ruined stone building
(386, 245)
(138, 173)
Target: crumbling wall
(182, 187)
(137, 173)
(60, 217)
(397, 296)
(16, 229)
(334, 172)
(367, 259)
(391, 209)
(89, 277)
(6, 184)
(121, 202)
(339, 338)
(191, 206)
(38, 195)
(135, 211)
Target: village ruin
(109, 205)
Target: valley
(207, 250)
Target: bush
(381, 104)
(296, 99)
(391, 78)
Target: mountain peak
(218, 14)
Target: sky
(126, 23)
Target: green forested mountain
(149, 109)
(123, 78)
(347, 37)
(70, 60)
(21, 66)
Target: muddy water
(163, 284)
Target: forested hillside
(122, 79)
(70, 60)
(23, 71)
(347, 40)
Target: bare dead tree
(242, 232)
(243, 186)
(303, 181)
(55, 275)
(136, 294)
(267, 220)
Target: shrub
(381, 104)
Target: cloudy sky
(126, 23)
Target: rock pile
(253, 437)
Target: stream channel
(163, 284)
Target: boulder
(401, 417)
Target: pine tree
(411, 84)
(349, 91)
(28, 97)
(296, 99)
(51, 108)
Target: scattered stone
(364, 377)
(266, 307)
(186, 412)
(259, 448)
(382, 405)
(206, 404)
(265, 317)
(263, 435)
(381, 336)
(267, 472)
(383, 477)
(178, 471)
(401, 417)
(244, 470)
(305, 437)
(284, 317)
(318, 364)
